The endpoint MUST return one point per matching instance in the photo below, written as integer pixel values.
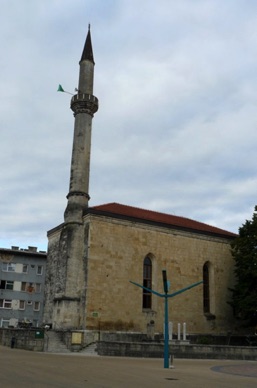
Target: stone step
(90, 350)
(54, 344)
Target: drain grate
(170, 378)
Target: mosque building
(95, 253)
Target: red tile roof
(118, 210)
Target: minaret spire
(84, 104)
(88, 50)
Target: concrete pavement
(20, 368)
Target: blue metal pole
(166, 333)
(166, 317)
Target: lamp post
(166, 319)
(166, 296)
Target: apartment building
(22, 278)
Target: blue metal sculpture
(166, 296)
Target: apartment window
(9, 285)
(39, 270)
(36, 306)
(5, 322)
(27, 287)
(8, 267)
(35, 322)
(38, 288)
(22, 305)
(23, 286)
(30, 288)
(5, 303)
(25, 268)
(147, 282)
(6, 285)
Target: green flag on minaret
(60, 88)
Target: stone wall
(92, 290)
(117, 249)
(156, 350)
(53, 282)
(32, 339)
(66, 279)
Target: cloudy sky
(176, 127)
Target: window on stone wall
(206, 288)
(147, 282)
(36, 306)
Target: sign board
(76, 338)
(39, 334)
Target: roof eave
(157, 223)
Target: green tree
(244, 251)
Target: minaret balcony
(84, 103)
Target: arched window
(206, 288)
(147, 282)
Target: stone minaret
(84, 105)
(66, 277)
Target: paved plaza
(20, 368)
